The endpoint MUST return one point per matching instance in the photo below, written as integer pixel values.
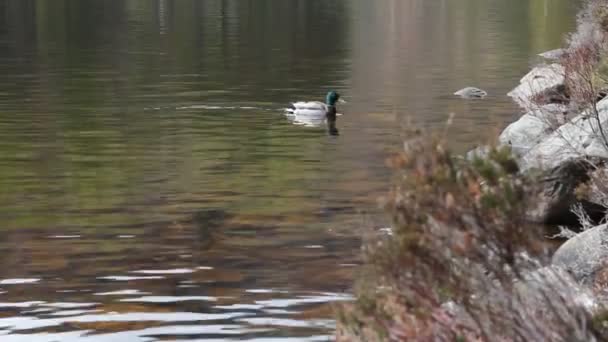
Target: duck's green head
(332, 98)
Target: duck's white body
(309, 109)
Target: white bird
(316, 108)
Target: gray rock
(537, 300)
(597, 186)
(471, 93)
(478, 152)
(580, 137)
(532, 127)
(525, 133)
(553, 54)
(563, 149)
(547, 298)
(585, 254)
(533, 288)
(541, 79)
(565, 157)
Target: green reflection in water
(109, 84)
(134, 117)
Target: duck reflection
(330, 121)
(331, 118)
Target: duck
(316, 109)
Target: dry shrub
(556, 95)
(586, 69)
(599, 13)
(580, 67)
(591, 24)
(461, 264)
(586, 63)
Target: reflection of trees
(93, 66)
(409, 56)
(89, 67)
(78, 149)
(547, 19)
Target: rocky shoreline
(565, 149)
(561, 139)
(467, 258)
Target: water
(151, 188)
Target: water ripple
(169, 299)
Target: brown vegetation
(586, 58)
(462, 262)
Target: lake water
(151, 188)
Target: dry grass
(462, 263)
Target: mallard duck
(316, 108)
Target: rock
(478, 152)
(543, 298)
(597, 187)
(471, 93)
(565, 157)
(533, 127)
(525, 133)
(533, 287)
(558, 95)
(580, 137)
(584, 255)
(541, 80)
(557, 114)
(557, 195)
(553, 54)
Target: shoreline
(464, 261)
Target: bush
(461, 263)
(586, 59)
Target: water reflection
(150, 187)
(410, 56)
(329, 123)
(229, 319)
(332, 120)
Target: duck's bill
(341, 101)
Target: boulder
(584, 255)
(566, 152)
(526, 132)
(481, 152)
(565, 157)
(597, 188)
(543, 79)
(553, 54)
(533, 287)
(580, 137)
